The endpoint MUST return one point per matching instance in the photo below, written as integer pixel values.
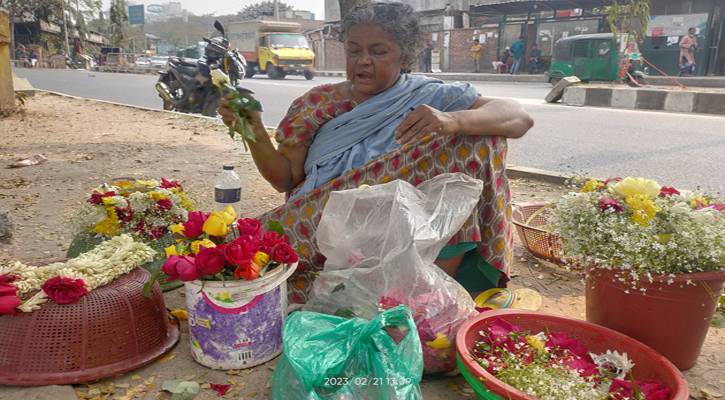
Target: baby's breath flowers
(640, 229)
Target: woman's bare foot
(450, 265)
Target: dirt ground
(88, 143)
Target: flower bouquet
(640, 229)
(217, 246)
(143, 209)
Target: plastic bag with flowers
(217, 246)
(380, 245)
(640, 229)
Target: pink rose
(249, 226)
(210, 260)
(64, 290)
(283, 254)
(193, 227)
(606, 203)
(7, 289)
(181, 267)
(668, 191)
(9, 305)
(238, 253)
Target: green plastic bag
(329, 357)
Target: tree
(16, 9)
(119, 23)
(255, 11)
(630, 19)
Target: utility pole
(65, 28)
(276, 11)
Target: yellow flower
(630, 186)
(110, 225)
(664, 238)
(694, 199)
(145, 183)
(534, 342)
(107, 201)
(216, 224)
(591, 186)
(204, 242)
(171, 251)
(261, 258)
(229, 215)
(185, 201)
(643, 209)
(158, 196)
(441, 342)
(123, 184)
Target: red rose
(247, 271)
(7, 289)
(64, 290)
(165, 204)
(238, 253)
(97, 197)
(210, 260)
(252, 242)
(181, 267)
(170, 184)
(668, 191)
(9, 305)
(5, 278)
(248, 226)
(272, 239)
(193, 227)
(283, 254)
(606, 203)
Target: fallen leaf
(122, 385)
(234, 372)
(205, 386)
(248, 371)
(80, 394)
(136, 377)
(139, 395)
(454, 387)
(93, 392)
(105, 396)
(188, 377)
(240, 386)
(233, 381)
(252, 394)
(268, 385)
(710, 394)
(272, 368)
(166, 358)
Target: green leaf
(170, 386)
(338, 288)
(344, 313)
(150, 284)
(275, 226)
(185, 390)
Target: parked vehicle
(273, 47)
(143, 62)
(159, 61)
(187, 86)
(593, 58)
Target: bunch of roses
(143, 208)
(552, 365)
(218, 246)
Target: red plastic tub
(648, 363)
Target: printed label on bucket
(243, 342)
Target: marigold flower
(592, 185)
(643, 209)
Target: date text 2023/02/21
(364, 381)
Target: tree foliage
(118, 17)
(254, 11)
(628, 18)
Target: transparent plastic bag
(333, 358)
(380, 246)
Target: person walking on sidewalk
(517, 50)
(476, 50)
(428, 56)
(688, 46)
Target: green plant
(628, 18)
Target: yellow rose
(123, 184)
(591, 186)
(171, 251)
(229, 215)
(261, 258)
(215, 225)
(204, 242)
(630, 186)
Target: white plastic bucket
(238, 324)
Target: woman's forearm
(494, 117)
(274, 166)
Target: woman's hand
(422, 122)
(228, 115)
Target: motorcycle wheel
(174, 88)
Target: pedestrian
(476, 50)
(33, 58)
(517, 50)
(428, 56)
(535, 59)
(688, 46)
(19, 51)
(502, 60)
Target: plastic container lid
(228, 168)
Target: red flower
(165, 204)
(606, 203)
(247, 271)
(238, 253)
(272, 239)
(562, 341)
(668, 191)
(181, 267)
(252, 242)
(249, 226)
(97, 197)
(651, 389)
(283, 254)
(64, 290)
(9, 304)
(170, 184)
(210, 260)
(6, 289)
(221, 389)
(193, 228)
(5, 278)
(617, 179)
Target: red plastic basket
(112, 329)
(648, 363)
(539, 242)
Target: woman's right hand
(229, 116)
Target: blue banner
(135, 15)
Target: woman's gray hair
(400, 20)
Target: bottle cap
(228, 167)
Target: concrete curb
(22, 85)
(692, 81)
(689, 101)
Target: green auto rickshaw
(592, 58)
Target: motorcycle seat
(189, 62)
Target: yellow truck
(273, 47)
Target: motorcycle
(187, 86)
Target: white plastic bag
(380, 246)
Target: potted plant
(654, 258)
(234, 275)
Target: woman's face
(373, 60)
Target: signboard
(135, 15)
(676, 25)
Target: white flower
(219, 78)
(681, 208)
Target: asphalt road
(676, 149)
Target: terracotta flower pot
(672, 319)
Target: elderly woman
(382, 124)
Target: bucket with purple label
(238, 324)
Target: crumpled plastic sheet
(380, 246)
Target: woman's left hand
(422, 122)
